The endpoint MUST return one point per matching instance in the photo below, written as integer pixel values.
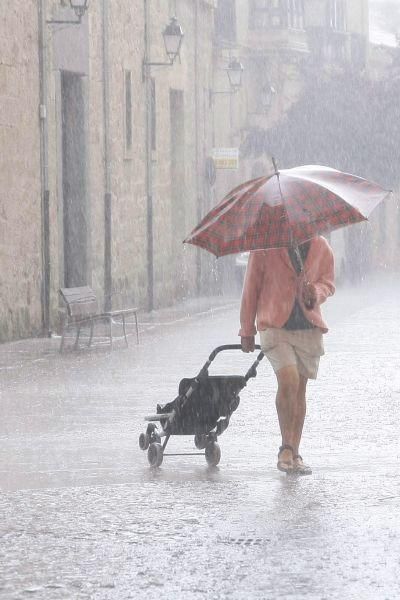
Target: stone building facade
(106, 158)
(102, 155)
(20, 190)
(281, 44)
(277, 41)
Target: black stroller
(202, 408)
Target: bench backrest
(81, 302)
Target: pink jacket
(271, 286)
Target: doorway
(74, 189)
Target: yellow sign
(226, 158)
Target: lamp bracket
(56, 22)
(226, 92)
(146, 63)
(158, 64)
(235, 91)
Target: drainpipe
(365, 25)
(197, 150)
(44, 175)
(149, 174)
(107, 167)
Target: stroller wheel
(155, 454)
(152, 434)
(200, 441)
(213, 454)
(144, 441)
(156, 438)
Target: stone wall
(180, 193)
(20, 200)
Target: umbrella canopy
(286, 209)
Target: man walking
(282, 294)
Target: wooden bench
(82, 309)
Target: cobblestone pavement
(83, 516)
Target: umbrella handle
(299, 257)
(295, 247)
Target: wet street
(84, 517)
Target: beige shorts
(301, 348)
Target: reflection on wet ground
(84, 517)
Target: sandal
(299, 466)
(286, 466)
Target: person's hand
(309, 295)
(248, 343)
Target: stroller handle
(228, 347)
(252, 372)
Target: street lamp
(79, 7)
(173, 36)
(234, 72)
(266, 97)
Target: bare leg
(299, 466)
(300, 413)
(286, 406)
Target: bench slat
(80, 301)
(78, 294)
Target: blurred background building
(114, 144)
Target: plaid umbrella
(286, 209)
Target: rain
(199, 223)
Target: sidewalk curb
(18, 353)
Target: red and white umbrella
(286, 209)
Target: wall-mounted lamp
(234, 71)
(173, 36)
(79, 7)
(266, 97)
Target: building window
(296, 14)
(153, 119)
(128, 112)
(337, 15)
(266, 14)
(225, 20)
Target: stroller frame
(206, 435)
